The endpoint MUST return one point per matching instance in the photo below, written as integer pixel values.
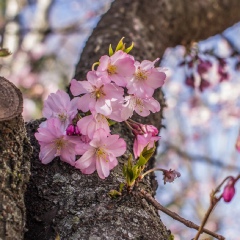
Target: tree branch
(175, 216)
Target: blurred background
(201, 124)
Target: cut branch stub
(11, 100)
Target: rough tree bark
(60, 200)
(15, 152)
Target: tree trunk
(62, 202)
(15, 152)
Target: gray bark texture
(64, 204)
(15, 152)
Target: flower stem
(214, 201)
(152, 170)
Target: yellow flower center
(62, 117)
(59, 144)
(111, 69)
(141, 75)
(139, 104)
(101, 154)
(99, 93)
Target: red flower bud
(229, 191)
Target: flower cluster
(78, 130)
(195, 65)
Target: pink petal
(90, 169)
(85, 101)
(102, 167)
(86, 159)
(103, 106)
(104, 61)
(68, 154)
(156, 79)
(47, 153)
(76, 88)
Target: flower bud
(229, 191)
(70, 130)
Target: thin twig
(200, 158)
(175, 216)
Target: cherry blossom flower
(58, 105)
(146, 79)
(53, 142)
(141, 106)
(97, 94)
(119, 68)
(102, 153)
(229, 190)
(91, 123)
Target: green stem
(152, 170)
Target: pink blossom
(83, 145)
(229, 190)
(203, 66)
(146, 79)
(102, 153)
(141, 106)
(190, 81)
(203, 84)
(238, 144)
(170, 176)
(58, 105)
(90, 124)
(53, 142)
(119, 68)
(97, 94)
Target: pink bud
(151, 129)
(229, 191)
(76, 131)
(70, 130)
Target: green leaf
(4, 52)
(121, 187)
(141, 161)
(110, 50)
(111, 122)
(171, 237)
(114, 193)
(120, 45)
(127, 50)
(147, 153)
